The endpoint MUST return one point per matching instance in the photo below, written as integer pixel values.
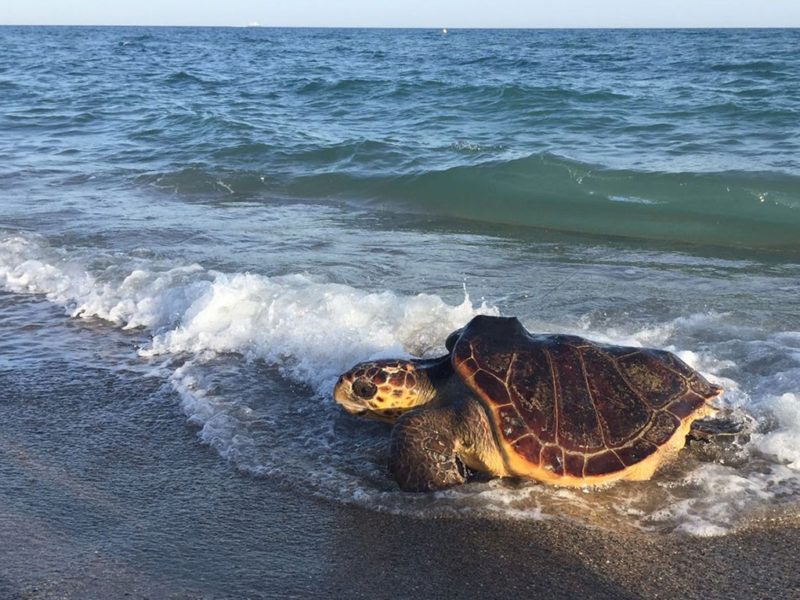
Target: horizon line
(419, 27)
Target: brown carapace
(570, 411)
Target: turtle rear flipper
(722, 438)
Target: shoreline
(383, 556)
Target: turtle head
(383, 389)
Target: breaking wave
(732, 208)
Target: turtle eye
(364, 389)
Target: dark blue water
(675, 135)
(242, 214)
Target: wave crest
(735, 208)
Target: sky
(407, 13)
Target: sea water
(242, 214)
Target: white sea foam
(783, 443)
(141, 298)
(313, 329)
(633, 200)
(719, 496)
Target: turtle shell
(570, 411)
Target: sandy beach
(120, 527)
(324, 551)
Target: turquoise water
(242, 214)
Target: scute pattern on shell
(573, 406)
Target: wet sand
(98, 507)
(338, 552)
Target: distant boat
(253, 24)
(444, 31)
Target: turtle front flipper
(722, 438)
(724, 425)
(424, 453)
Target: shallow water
(242, 215)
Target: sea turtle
(559, 409)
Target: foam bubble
(784, 442)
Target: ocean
(227, 219)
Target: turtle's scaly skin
(565, 410)
(559, 409)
